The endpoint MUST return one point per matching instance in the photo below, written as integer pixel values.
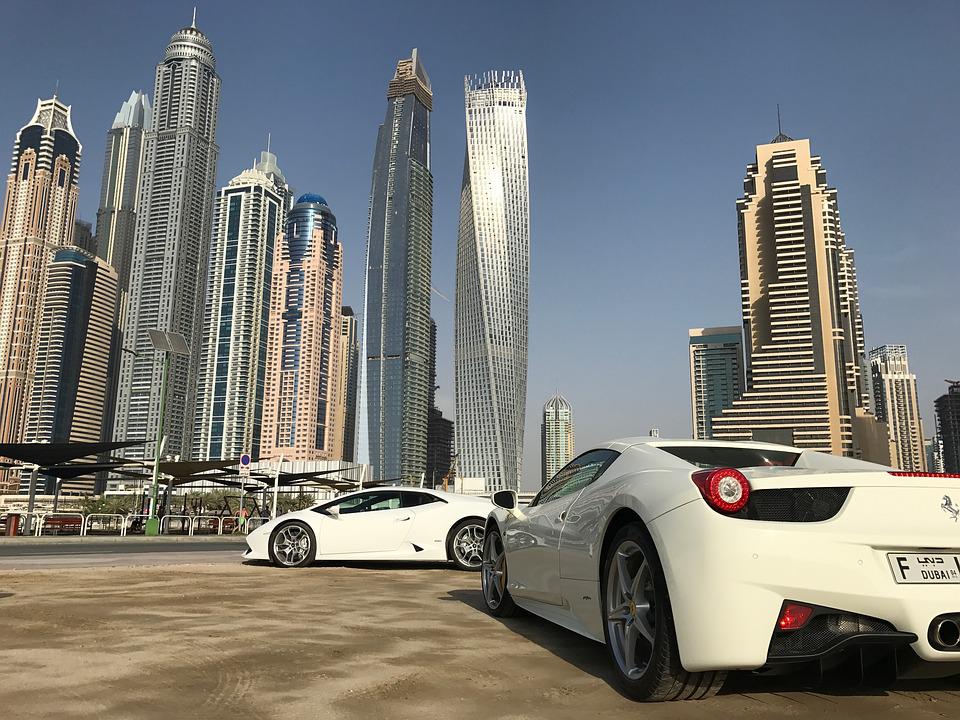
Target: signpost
(245, 461)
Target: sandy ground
(250, 641)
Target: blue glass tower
(395, 367)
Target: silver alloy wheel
(630, 609)
(291, 545)
(493, 577)
(468, 546)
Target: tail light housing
(726, 490)
(794, 616)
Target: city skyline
(893, 243)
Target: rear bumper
(728, 579)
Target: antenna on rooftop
(268, 141)
(779, 127)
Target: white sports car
(692, 558)
(384, 523)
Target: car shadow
(591, 657)
(366, 565)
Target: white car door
(533, 544)
(368, 522)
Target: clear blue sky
(641, 118)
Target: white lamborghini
(385, 523)
(689, 559)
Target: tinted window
(576, 475)
(367, 502)
(412, 499)
(707, 456)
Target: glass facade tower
(493, 279)
(395, 372)
(249, 213)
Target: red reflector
(794, 616)
(905, 473)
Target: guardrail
(61, 523)
(186, 525)
(77, 523)
(119, 529)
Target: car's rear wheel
(493, 576)
(465, 545)
(292, 544)
(638, 624)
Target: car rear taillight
(726, 490)
(794, 616)
(906, 473)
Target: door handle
(562, 516)
(403, 519)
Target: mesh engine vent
(794, 504)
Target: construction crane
(451, 473)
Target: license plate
(934, 568)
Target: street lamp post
(169, 343)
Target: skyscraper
(716, 374)
(119, 189)
(803, 331)
(556, 437)
(69, 395)
(303, 342)
(948, 427)
(493, 277)
(439, 428)
(347, 394)
(394, 383)
(248, 214)
(83, 237)
(171, 248)
(895, 403)
(39, 214)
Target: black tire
(499, 603)
(462, 550)
(662, 677)
(302, 559)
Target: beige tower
(803, 331)
(895, 401)
(302, 376)
(39, 213)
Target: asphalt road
(16, 555)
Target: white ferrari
(689, 559)
(384, 523)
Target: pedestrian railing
(185, 522)
(60, 523)
(77, 523)
(105, 524)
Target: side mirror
(506, 499)
(333, 511)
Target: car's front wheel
(493, 576)
(465, 546)
(638, 624)
(293, 544)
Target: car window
(367, 502)
(413, 499)
(713, 456)
(575, 476)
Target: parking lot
(231, 640)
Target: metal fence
(75, 523)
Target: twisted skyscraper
(493, 278)
(172, 238)
(395, 370)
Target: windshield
(713, 456)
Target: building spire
(268, 141)
(56, 89)
(780, 136)
(193, 23)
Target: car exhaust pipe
(945, 632)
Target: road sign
(245, 465)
